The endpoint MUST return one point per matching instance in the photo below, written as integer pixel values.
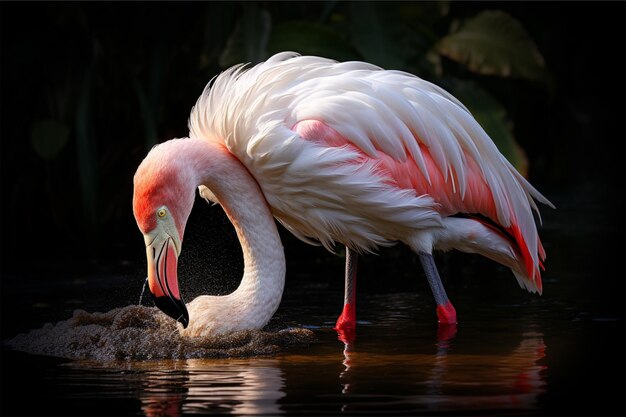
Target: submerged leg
(347, 320)
(445, 310)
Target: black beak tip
(174, 308)
(184, 319)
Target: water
(143, 290)
(395, 366)
(513, 353)
(521, 361)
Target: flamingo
(339, 153)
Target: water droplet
(143, 289)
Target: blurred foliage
(106, 81)
(493, 43)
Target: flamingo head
(162, 201)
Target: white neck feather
(258, 296)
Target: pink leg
(346, 323)
(446, 314)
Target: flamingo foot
(447, 322)
(347, 319)
(446, 313)
(446, 332)
(346, 324)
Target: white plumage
(332, 193)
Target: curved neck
(260, 292)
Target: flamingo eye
(161, 212)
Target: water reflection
(442, 381)
(447, 380)
(206, 387)
(475, 371)
(445, 335)
(162, 397)
(344, 376)
(496, 381)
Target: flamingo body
(350, 153)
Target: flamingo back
(352, 153)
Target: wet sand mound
(139, 333)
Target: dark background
(85, 64)
(123, 76)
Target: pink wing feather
(477, 197)
(415, 134)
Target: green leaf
(492, 116)
(494, 43)
(309, 38)
(48, 137)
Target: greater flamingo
(343, 153)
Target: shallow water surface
(513, 353)
(399, 364)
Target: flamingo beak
(163, 277)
